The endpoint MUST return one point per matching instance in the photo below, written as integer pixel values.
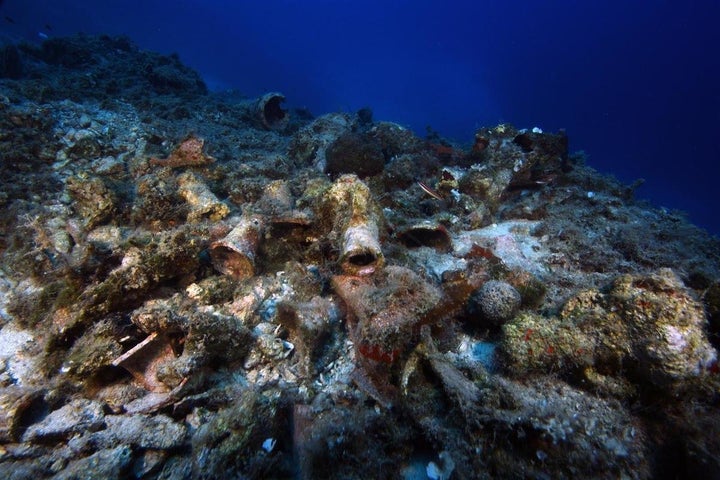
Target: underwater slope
(199, 286)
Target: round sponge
(496, 301)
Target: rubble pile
(201, 285)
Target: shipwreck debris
(236, 253)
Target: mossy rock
(355, 153)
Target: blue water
(634, 83)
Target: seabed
(205, 285)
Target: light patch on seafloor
(434, 263)
(17, 363)
(15, 359)
(6, 287)
(676, 338)
(470, 350)
(512, 241)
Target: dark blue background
(636, 84)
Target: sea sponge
(496, 302)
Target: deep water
(633, 83)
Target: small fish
(43, 35)
(9, 19)
(430, 191)
(48, 27)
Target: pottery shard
(268, 112)
(386, 310)
(188, 154)
(143, 361)
(235, 254)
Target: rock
(11, 65)
(309, 145)
(177, 468)
(533, 343)
(341, 326)
(395, 139)
(107, 464)
(235, 435)
(711, 299)
(355, 153)
(668, 328)
(15, 403)
(149, 461)
(97, 348)
(158, 201)
(79, 416)
(602, 438)
(647, 327)
(158, 432)
(94, 201)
